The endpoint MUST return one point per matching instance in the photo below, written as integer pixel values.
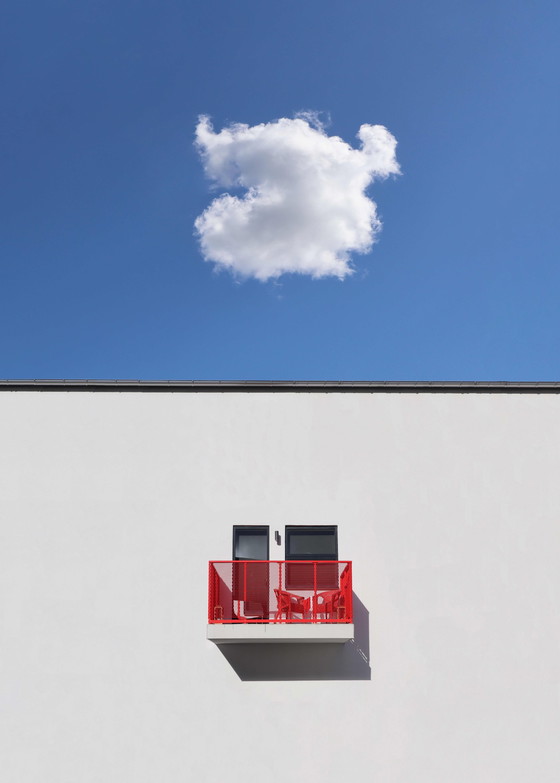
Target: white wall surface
(111, 505)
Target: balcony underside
(237, 633)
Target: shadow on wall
(350, 661)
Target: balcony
(280, 601)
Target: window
(316, 542)
(250, 542)
(311, 542)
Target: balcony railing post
(210, 592)
(277, 615)
(350, 602)
(313, 613)
(244, 590)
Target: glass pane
(312, 544)
(251, 546)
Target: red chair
(332, 603)
(323, 603)
(289, 604)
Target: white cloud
(304, 209)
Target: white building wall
(111, 505)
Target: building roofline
(532, 387)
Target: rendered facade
(114, 498)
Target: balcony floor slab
(232, 633)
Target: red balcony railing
(280, 591)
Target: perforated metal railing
(280, 591)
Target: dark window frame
(310, 530)
(252, 528)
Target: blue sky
(101, 275)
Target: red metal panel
(251, 580)
(300, 575)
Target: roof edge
(279, 386)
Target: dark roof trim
(283, 386)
